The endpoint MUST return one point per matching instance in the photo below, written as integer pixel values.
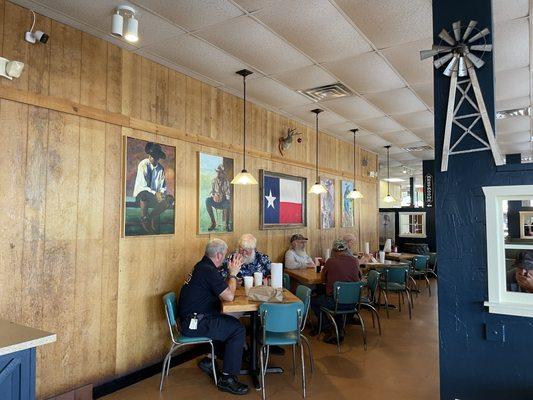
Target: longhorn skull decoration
(286, 141)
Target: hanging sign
(428, 190)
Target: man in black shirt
(199, 311)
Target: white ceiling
(370, 46)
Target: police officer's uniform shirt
(200, 292)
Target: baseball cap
(298, 236)
(339, 245)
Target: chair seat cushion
(418, 273)
(191, 340)
(393, 287)
(281, 339)
(339, 312)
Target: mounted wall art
(347, 215)
(327, 204)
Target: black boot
(206, 366)
(228, 383)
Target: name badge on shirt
(193, 324)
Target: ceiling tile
(390, 22)
(381, 125)
(512, 84)
(509, 9)
(511, 44)
(426, 134)
(315, 27)
(405, 156)
(405, 59)
(344, 129)
(425, 154)
(373, 142)
(512, 125)
(516, 137)
(201, 57)
(192, 14)
(400, 138)
(515, 148)
(510, 104)
(425, 92)
(274, 94)
(306, 78)
(303, 112)
(254, 5)
(367, 73)
(398, 101)
(421, 119)
(354, 108)
(251, 42)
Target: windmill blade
(478, 62)
(468, 31)
(479, 35)
(434, 51)
(481, 47)
(462, 67)
(457, 30)
(451, 66)
(439, 62)
(444, 35)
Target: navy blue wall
(471, 367)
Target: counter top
(15, 337)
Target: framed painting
(347, 216)
(387, 226)
(327, 204)
(149, 188)
(215, 194)
(283, 201)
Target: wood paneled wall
(63, 264)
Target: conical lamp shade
(355, 194)
(244, 178)
(389, 199)
(318, 188)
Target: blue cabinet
(17, 375)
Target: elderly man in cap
(296, 257)
(520, 278)
(340, 267)
(150, 190)
(220, 198)
(351, 241)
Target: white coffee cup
(382, 257)
(248, 283)
(258, 278)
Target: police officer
(199, 312)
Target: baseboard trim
(146, 372)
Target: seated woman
(340, 267)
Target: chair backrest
(304, 294)
(170, 304)
(347, 292)
(420, 263)
(432, 260)
(287, 281)
(372, 283)
(396, 275)
(281, 317)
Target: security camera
(10, 69)
(37, 36)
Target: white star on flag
(270, 200)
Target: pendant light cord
(354, 159)
(244, 122)
(388, 173)
(316, 129)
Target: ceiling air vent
(417, 148)
(327, 92)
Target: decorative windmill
(461, 66)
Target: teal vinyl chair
(419, 269)
(395, 280)
(371, 301)
(432, 264)
(304, 294)
(281, 324)
(286, 281)
(178, 340)
(348, 295)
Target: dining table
(400, 256)
(367, 266)
(242, 304)
(308, 276)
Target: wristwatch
(232, 276)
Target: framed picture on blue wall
(282, 200)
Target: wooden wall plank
(65, 64)
(114, 79)
(93, 90)
(38, 68)
(2, 12)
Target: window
(412, 224)
(509, 249)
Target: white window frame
(500, 300)
(412, 235)
(523, 216)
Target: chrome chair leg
(363, 329)
(213, 362)
(303, 368)
(399, 303)
(163, 372)
(336, 331)
(428, 284)
(320, 324)
(410, 302)
(261, 361)
(294, 360)
(386, 303)
(311, 360)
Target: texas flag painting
(283, 199)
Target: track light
(10, 69)
(37, 36)
(130, 31)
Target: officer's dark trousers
(229, 335)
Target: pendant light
(244, 177)
(388, 198)
(354, 194)
(317, 188)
